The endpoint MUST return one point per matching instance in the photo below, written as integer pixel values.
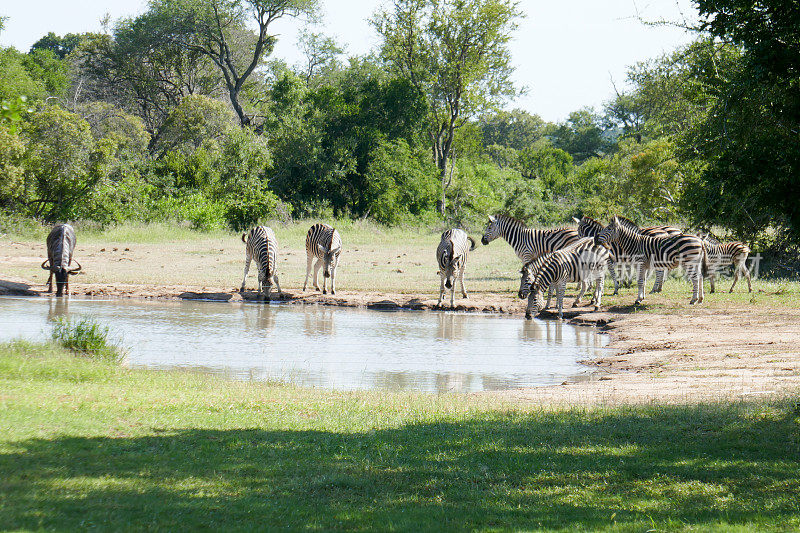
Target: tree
(218, 30)
(61, 47)
(515, 129)
(455, 53)
(748, 142)
(321, 54)
(582, 136)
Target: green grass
(88, 444)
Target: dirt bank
(680, 355)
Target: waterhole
(321, 346)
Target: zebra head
(609, 234)
(330, 258)
(492, 230)
(588, 227)
(526, 278)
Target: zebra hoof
(324, 292)
(596, 308)
(528, 316)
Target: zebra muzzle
(448, 284)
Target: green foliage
(515, 129)
(582, 136)
(86, 337)
(15, 80)
(12, 151)
(401, 183)
(62, 162)
(59, 46)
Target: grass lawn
(89, 444)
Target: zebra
(451, 254)
(60, 246)
(584, 263)
(589, 227)
(530, 269)
(528, 243)
(262, 246)
(723, 254)
(659, 253)
(324, 243)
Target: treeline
(181, 114)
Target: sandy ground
(697, 354)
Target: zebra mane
(628, 223)
(512, 220)
(595, 224)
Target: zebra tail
(244, 238)
(473, 243)
(705, 265)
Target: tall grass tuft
(86, 337)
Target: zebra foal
(451, 254)
(661, 253)
(60, 246)
(584, 263)
(262, 246)
(324, 243)
(722, 254)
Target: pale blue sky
(566, 52)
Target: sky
(565, 52)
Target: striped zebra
(528, 243)
(529, 270)
(722, 254)
(262, 246)
(451, 254)
(585, 263)
(659, 253)
(589, 227)
(60, 246)
(324, 243)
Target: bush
(86, 337)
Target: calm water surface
(329, 347)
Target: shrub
(86, 337)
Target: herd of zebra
(554, 257)
(551, 257)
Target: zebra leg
(598, 291)
(560, 290)
(333, 281)
(247, 260)
(453, 294)
(278, 285)
(694, 274)
(747, 276)
(613, 273)
(50, 282)
(317, 266)
(310, 259)
(658, 285)
(582, 290)
(642, 277)
(461, 279)
(441, 290)
(549, 297)
(529, 308)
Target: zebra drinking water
(528, 243)
(659, 253)
(324, 243)
(585, 263)
(60, 246)
(726, 253)
(451, 254)
(261, 246)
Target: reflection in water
(57, 307)
(323, 346)
(318, 322)
(450, 326)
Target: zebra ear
(615, 220)
(577, 221)
(322, 248)
(491, 218)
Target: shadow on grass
(572, 470)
